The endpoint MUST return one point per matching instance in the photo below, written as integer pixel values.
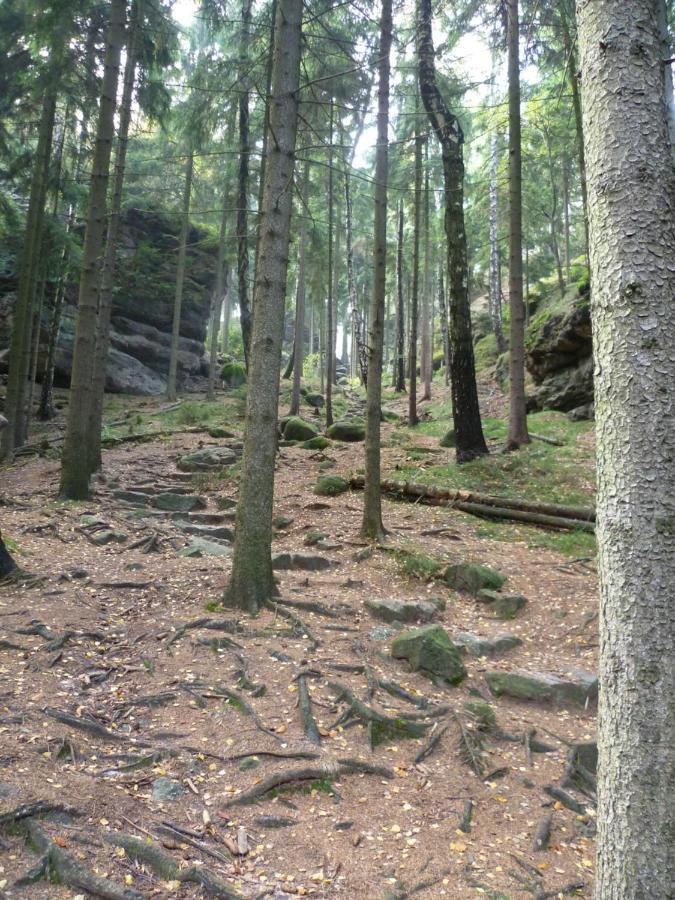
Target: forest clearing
(337, 449)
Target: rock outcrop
(559, 359)
(140, 339)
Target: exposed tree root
(309, 725)
(380, 727)
(331, 770)
(276, 754)
(229, 625)
(59, 866)
(313, 606)
(391, 687)
(167, 868)
(298, 624)
(87, 725)
(39, 808)
(542, 835)
(566, 799)
(431, 745)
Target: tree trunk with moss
(330, 300)
(75, 458)
(517, 434)
(399, 367)
(470, 442)
(251, 584)
(371, 526)
(110, 259)
(631, 193)
(425, 357)
(242, 195)
(415, 293)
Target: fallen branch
(380, 727)
(566, 799)
(550, 515)
(431, 745)
(229, 625)
(39, 808)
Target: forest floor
(152, 730)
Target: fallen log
(550, 515)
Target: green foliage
(233, 374)
(330, 486)
(415, 564)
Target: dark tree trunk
(465, 408)
(299, 341)
(330, 300)
(399, 368)
(414, 297)
(7, 564)
(443, 314)
(242, 196)
(172, 389)
(372, 500)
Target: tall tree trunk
(425, 359)
(242, 196)
(251, 584)
(171, 391)
(631, 191)
(110, 259)
(399, 381)
(220, 292)
(465, 408)
(361, 351)
(20, 342)
(568, 24)
(371, 526)
(443, 315)
(75, 458)
(299, 343)
(330, 311)
(265, 132)
(414, 296)
(566, 217)
(517, 434)
(495, 295)
(553, 215)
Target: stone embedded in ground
(165, 790)
(107, 536)
(330, 486)
(313, 537)
(363, 555)
(135, 498)
(503, 606)
(380, 633)
(472, 577)
(315, 400)
(478, 646)
(429, 649)
(88, 519)
(178, 502)
(203, 547)
(209, 532)
(282, 521)
(328, 545)
(218, 432)
(309, 562)
(543, 686)
(208, 459)
(348, 430)
(317, 443)
(392, 610)
(296, 429)
(249, 762)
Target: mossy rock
(331, 486)
(472, 578)
(429, 650)
(349, 431)
(296, 429)
(233, 374)
(448, 440)
(504, 606)
(483, 713)
(218, 432)
(317, 443)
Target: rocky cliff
(559, 359)
(138, 361)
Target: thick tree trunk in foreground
(171, 391)
(242, 195)
(299, 343)
(371, 526)
(631, 191)
(75, 458)
(399, 366)
(110, 259)
(251, 583)
(517, 435)
(465, 408)
(20, 343)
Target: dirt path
(152, 712)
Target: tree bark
(517, 434)
(171, 392)
(20, 342)
(443, 315)
(75, 458)
(110, 259)
(298, 346)
(399, 381)
(371, 526)
(7, 564)
(251, 584)
(425, 358)
(631, 192)
(330, 300)
(414, 294)
(495, 275)
(465, 409)
(242, 196)
(220, 292)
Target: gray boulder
(429, 650)
(391, 610)
(577, 689)
(208, 459)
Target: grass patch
(574, 544)
(414, 564)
